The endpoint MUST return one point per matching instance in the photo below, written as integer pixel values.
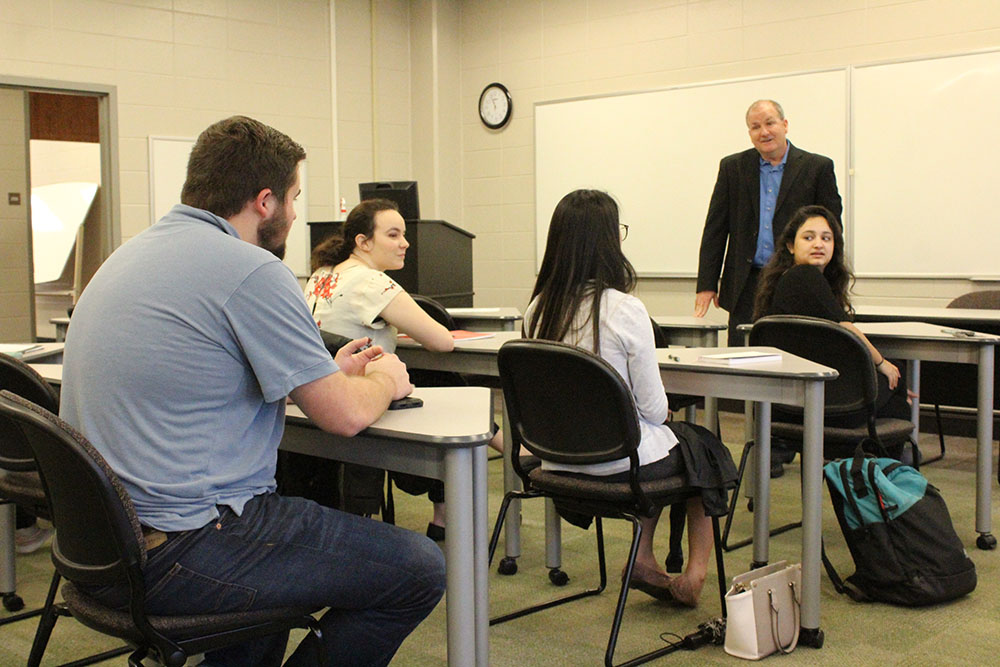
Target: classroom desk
(62, 324)
(443, 439)
(486, 319)
(478, 357)
(921, 341)
(691, 331)
(51, 352)
(791, 381)
(960, 317)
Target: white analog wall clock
(495, 106)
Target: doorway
(66, 133)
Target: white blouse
(627, 344)
(350, 302)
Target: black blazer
(734, 214)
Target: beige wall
(406, 109)
(373, 93)
(554, 49)
(15, 252)
(180, 65)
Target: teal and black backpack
(899, 532)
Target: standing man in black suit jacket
(755, 194)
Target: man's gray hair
(777, 107)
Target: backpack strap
(882, 507)
(848, 489)
(841, 586)
(857, 475)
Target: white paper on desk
(17, 349)
(735, 358)
(472, 311)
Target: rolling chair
(21, 485)
(934, 373)
(100, 542)
(569, 406)
(678, 511)
(853, 391)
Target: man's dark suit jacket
(734, 214)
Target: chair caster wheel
(558, 577)
(508, 566)
(12, 602)
(812, 637)
(986, 541)
(675, 562)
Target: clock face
(494, 106)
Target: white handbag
(762, 611)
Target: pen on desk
(959, 332)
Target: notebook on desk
(461, 334)
(737, 358)
(17, 350)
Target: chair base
(602, 567)
(726, 546)
(940, 430)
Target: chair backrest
(99, 540)
(437, 311)
(19, 378)
(659, 338)
(565, 404)
(981, 300)
(830, 344)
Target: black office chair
(569, 406)
(437, 311)
(20, 485)
(938, 378)
(23, 486)
(100, 543)
(853, 391)
(678, 511)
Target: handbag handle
(774, 619)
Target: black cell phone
(404, 403)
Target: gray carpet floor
(964, 632)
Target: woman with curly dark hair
(808, 275)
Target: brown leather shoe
(650, 581)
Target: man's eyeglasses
(623, 231)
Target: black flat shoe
(435, 532)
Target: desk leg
(812, 512)
(460, 558)
(480, 527)
(984, 452)
(8, 577)
(913, 380)
(712, 415)
(748, 435)
(762, 482)
(512, 524)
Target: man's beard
(270, 230)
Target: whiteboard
(926, 140)
(168, 158)
(657, 153)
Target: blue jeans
(379, 581)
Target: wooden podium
(438, 261)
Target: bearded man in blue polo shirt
(183, 349)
